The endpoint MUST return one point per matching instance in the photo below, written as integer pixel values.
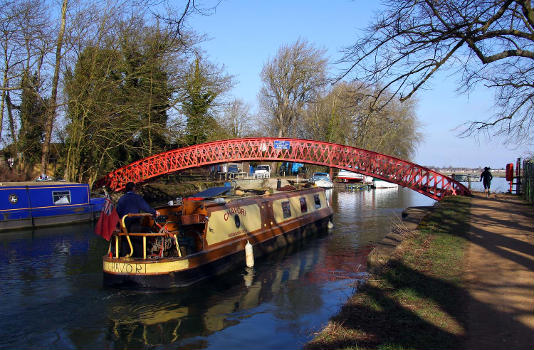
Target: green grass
(415, 301)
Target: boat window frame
(317, 200)
(286, 209)
(303, 205)
(59, 195)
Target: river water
(52, 293)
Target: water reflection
(51, 284)
(207, 308)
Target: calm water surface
(52, 294)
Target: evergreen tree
(96, 122)
(32, 114)
(198, 100)
(146, 89)
(203, 85)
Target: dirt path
(500, 274)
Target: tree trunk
(12, 125)
(4, 85)
(52, 106)
(2, 112)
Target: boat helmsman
(133, 203)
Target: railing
(163, 232)
(527, 180)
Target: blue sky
(244, 34)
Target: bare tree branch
(490, 41)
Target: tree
(95, 113)
(146, 52)
(32, 111)
(118, 95)
(23, 42)
(204, 84)
(489, 42)
(291, 80)
(345, 115)
(52, 105)
(236, 120)
(330, 118)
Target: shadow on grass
(376, 320)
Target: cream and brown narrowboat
(202, 238)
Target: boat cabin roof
(38, 183)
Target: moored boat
(377, 183)
(201, 238)
(321, 180)
(37, 204)
(349, 176)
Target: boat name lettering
(128, 268)
(235, 210)
(237, 233)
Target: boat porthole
(13, 199)
(237, 221)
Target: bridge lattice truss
(404, 173)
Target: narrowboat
(204, 237)
(37, 204)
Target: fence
(527, 180)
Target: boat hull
(45, 221)
(350, 179)
(29, 205)
(384, 184)
(324, 184)
(183, 278)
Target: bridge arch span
(395, 170)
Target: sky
(244, 34)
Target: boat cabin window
(286, 209)
(303, 205)
(317, 200)
(61, 197)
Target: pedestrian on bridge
(486, 178)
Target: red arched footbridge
(404, 173)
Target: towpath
(500, 274)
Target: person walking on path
(486, 178)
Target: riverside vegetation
(414, 300)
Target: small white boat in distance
(321, 180)
(377, 183)
(349, 176)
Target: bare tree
(488, 42)
(236, 120)
(52, 105)
(291, 80)
(345, 115)
(24, 37)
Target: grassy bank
(414, 301)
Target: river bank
(463, 279)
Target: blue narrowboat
(36, 204)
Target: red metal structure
(404, 173)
